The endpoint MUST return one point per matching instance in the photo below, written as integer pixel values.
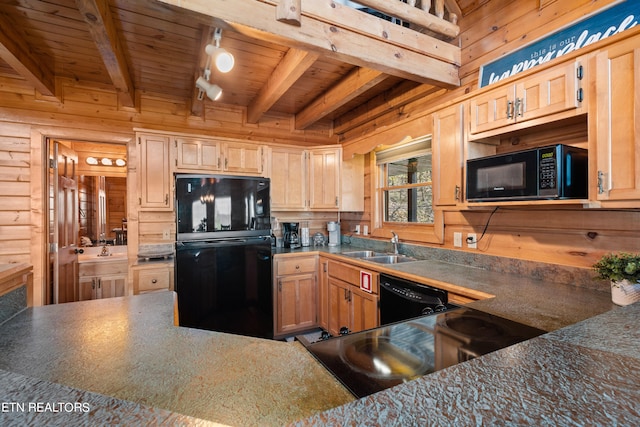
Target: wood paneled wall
(490, 28)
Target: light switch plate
(457, 239)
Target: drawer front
(87, 269)
(351, 274)
(153, 280)
(296, 265)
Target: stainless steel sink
(389, 259)
(362, 254)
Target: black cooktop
(370, 361)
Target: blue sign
(604, 24)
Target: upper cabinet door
(617, 121)
(492, 110)
(447, 156)
(288, 179)
(243, 158)
(324, 178)
(155, 174)
(198, 154)
(549, 92)
(552, 94)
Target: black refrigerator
(223, 254)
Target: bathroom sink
(389, 259)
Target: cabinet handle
(218, 162)
(519, 107)
(600, 182)
(93, 283)
(345, 295)
(166, 199)
(457, 193)
(509, 109)
(279, 285)
(226, 163)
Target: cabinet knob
(297, 267)
(154, 280)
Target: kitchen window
(405, 191)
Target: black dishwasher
(401, 300)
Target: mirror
(103, 210)
(102, 193)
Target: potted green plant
(623, 270)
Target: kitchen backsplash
(581, 277)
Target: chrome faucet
(394, 241)
(105, 251)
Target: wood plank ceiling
(320, 63)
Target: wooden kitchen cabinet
(324, 178)
(553, 94)
(447, 149)
(243, 158)
(616, 122)
(155, 173)
(349, 305)
(323, 292)
(305, 179)
(295, 288)
(102, 279)
(197, 154)
(288, 179)
(152, 277)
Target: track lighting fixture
(213, 91)
(224, 60)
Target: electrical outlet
(472, 241)
(457, 239)
(166, 234)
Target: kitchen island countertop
(125, 358)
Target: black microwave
(547, 173)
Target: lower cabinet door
(111, 286)
(364, 310)
(297, 306)
(339, 305)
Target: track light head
(224, 60)
(213, 91)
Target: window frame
(407, 231)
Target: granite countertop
(125, 357)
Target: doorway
(87, 205)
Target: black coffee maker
(291, 235)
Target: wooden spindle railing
(422, 15)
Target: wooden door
(297, 307)
(111, 286)
(364, 310)
(155, 174)
(447, 156)
(548, 92)
(323, 293)
(65, 235)
(288, 179)
(339, 305)
(243, 158)
(492, 110)
(198, 154)
(324, 178)
(618, 122)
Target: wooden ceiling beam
(352, 85)
(353, 43)
(15, 51)
(292, 66)
(97, 15)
